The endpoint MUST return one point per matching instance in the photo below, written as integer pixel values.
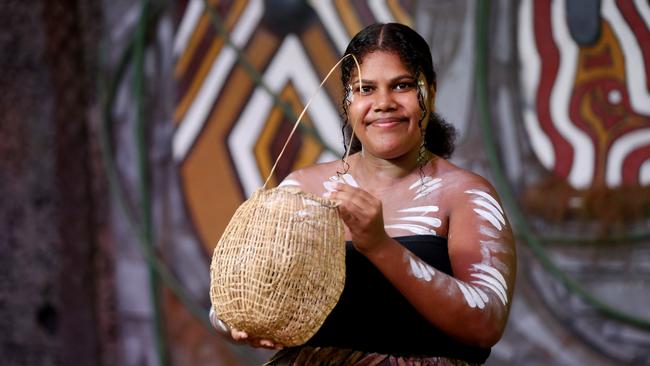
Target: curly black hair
(415, 53)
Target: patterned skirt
(329, 356)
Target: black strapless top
(373, 316)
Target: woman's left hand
(362, 214)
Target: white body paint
(487, 274)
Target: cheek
(358, 109)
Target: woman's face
(386, 111)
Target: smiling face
(386, 111)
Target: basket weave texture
(279, 268)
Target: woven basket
(279, 268)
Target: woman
(430, 255)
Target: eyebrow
(395, 79)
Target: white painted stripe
(487, 196)
(195, 118)
(489, 232)
(496, 274)
(488, 216)
(491, 280)
(643, 7)
(530, 73)
(644, 173)
(495, 246)
(422, 181)
(415, 270)
(289, 182)
(503, 299)
(424, 185)
(329, 17)
(349, 179)
(380, 11)
(415, 229)
(435, 222)
(425, 190)
(477, 298)
(491, 208)
(468, 297)
(290, 64)
(620, 150)
(482, 294)
(188, 24)
(423, 209)
(582, 167)
(634, 65)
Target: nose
(383, 101)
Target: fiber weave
(279, 267)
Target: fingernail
(327, 194)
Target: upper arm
(481, 244)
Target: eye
(364, 90)
(404, 85)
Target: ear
(428, 93)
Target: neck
(380, 172)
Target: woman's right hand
(242, 337)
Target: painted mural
(570, 101)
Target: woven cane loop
(304, 110)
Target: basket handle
(295, 125)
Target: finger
(238, 335)
(267, 343)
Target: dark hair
(415, 54)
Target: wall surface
(131, 131)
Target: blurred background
(130, 131)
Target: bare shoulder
(310, 179)
(462, 184)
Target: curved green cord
(522, 228)
(107, 92)
(144, 175)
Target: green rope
(255, 76)
(108, 92)
(522, 228)
(144, 174)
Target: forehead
(381, 64)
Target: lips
(387, 122)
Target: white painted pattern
(621, 148)
(489, 232)
(644, 173)
(643, 7)
(329, 16)
(487, 196)
(345, 178)
(431, 221)
(634, 65)
(415, 229)
(196, 115)
(188, 24)
(424, 186)
(421, 270)
(289, 182)
(422, 209)
(289, 64)
(494, 213)
(530, 66)
(380, 11)
(493, 210)
(583, 165)
(488, 216)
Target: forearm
(470, 312)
